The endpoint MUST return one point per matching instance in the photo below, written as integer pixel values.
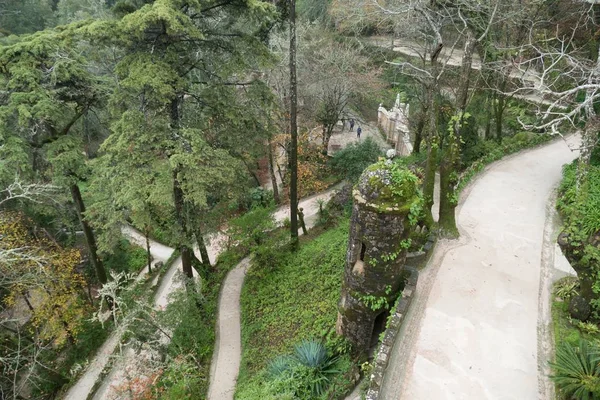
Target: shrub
(270, 254)
(181, 380)
(350, 162)
(258, 197)
(566, 288)
(576, 371)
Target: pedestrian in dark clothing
(351, 124)
(358, 132)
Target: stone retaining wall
(413, 262)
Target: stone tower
(379, 231)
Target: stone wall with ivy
(414, 261)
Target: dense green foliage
(25, 16)
(126, 257)
(580, 207)
(250, 229)
(576, 371)
(307, 284)
(351, 161)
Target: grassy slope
(293, 300)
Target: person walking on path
(351, 124)
(358, 132)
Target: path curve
(453, 56)
(169, 283)
(228, 348)
(472, 330)
(86, 382)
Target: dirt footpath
(472, 331)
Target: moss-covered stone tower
(386, 200)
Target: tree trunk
(89, 235)
(149, 255)
(488, 119)
(179, 201)
(293, 130)
(180, 217)
(451, 160)
(205, 259)
(272, 173)
(499, 109)
(419, 131)
(327, 133)
(432, 154)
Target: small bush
(566, 288)
(588, 327)
(350, 162)
(250, 230)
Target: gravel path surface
(472, 330)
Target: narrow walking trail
(87, 381)
(472, 331)
(228, 349)
(228, 307)
(532, 81)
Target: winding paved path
(227, 356)
(453, 56)
(472, 331)
(86, 382)
(228, 349)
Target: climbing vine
(376, 303)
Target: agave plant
(308, 369)
(280, 366)
(577, 371)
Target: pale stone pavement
(341, 139)
(454, 56)
(477, 326)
